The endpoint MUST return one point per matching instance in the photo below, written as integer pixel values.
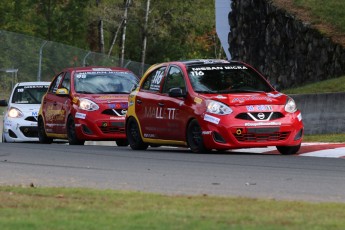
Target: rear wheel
(42, 136)
(122, 142)
(288, 150)
(133, 135)
(71, 133)
(194, 137)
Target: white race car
(20, 118)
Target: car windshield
(107, 82)
(29, 94)
(226, 78)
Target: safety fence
(26, 58)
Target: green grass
(326, 86)
(332, 138)
(70, 208)
(330, 11)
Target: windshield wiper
(114, 92)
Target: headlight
(290, 105)
(217, 107)
(88, 105)
(15, 113)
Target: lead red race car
(211, 105)
(86, 103)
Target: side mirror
(3, 103)
(176, 92)
(62, 92)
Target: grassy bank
(62, 208)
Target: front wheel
(133, 135)
(71, 133)
(42, 136)
(3, 138)
(288, 150)
(194, 137)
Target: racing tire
(42, 136)
(122, 143)
(71, 133)
(288, 150)
(134, 136)
(3, 139)
(194, 138)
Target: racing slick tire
(122, 142)
(71, 133)
(42, 136)
(194, 137)
(288, 150)
(133, 135)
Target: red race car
(86, 103)
(211, 104)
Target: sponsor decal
(155, 84)
(205, 68)
(116, 118)
(274, 95)
(259, 108)
(80, 115)
(212, 119)
(123, 105)
(206, 132)
(161, 113)
(299, 116)
(149, 135)
(197, 100)
(220, 97)
(252, 98)
(34, 114)
(263, 124)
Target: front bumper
(99, 127)
(20, 130)
(241, 134)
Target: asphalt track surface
(316, 175)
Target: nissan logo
(261, 116)
(123, 112)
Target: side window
(66, 83)
(174, 79)
(55, 84)
(154, 81)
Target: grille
(249, 116)
(114, 127)
(259, 137)
(29, 131)
(31, 118)
(115, 112)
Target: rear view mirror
(62, 92)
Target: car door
(54, 112)
(175, 112)
(63, 103)
(147, 104)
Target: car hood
(105, 98)
(273, 98)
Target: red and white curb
(331, 150)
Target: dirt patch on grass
(304, 14)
